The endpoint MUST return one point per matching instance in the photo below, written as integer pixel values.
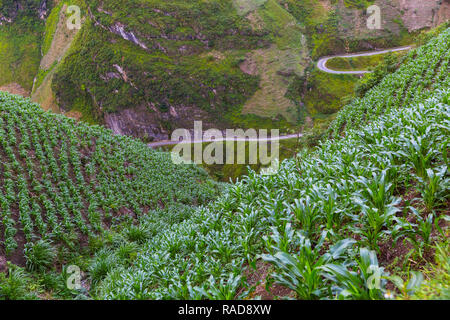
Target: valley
(355, 206)
(272, 47)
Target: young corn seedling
(366, 283)
(377, 190)
(410, 286)
(306, 213)
(223, 290)
(434, 188)
(419, 235)
(375, 223)
(302, 272)
(419, 153)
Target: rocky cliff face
(395, 14)
(419, 14)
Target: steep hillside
(144, 68)
(66, 182)
(374, 200)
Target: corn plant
(363, 283)
(39, 255)
(419, 233)
(410, 286)
(302, 272)
(433, 187)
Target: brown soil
(257, 280)
(3, 265)
(15, 88)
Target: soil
(15, 88)
(3, 265)
(257, 279)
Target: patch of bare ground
(74, 115)
(257, 279)
(3, 264)
(62, 39)
(256, 21)
(15, 88)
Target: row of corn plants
(320, 222)
(61, 181)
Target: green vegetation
(425, 68)
(278, 66)
(325, 92)
(327, 220)
(363, 215)
(176, 72)
(362, 63)
(66, 183)
(437, 273)
(20, 51)
(50, 27)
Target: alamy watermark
(74, 21)
(374, 20)
(228, 148)
(74, 277)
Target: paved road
(171, 143)
(322, 64)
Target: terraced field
(66, 182)
(375, 200)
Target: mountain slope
(373, 200)
(68, 182)
(145, 68)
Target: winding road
(322, 64)
(170, 143)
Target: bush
(39, 255)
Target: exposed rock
(15, 88)
(249, 66)
(110, 75)
(147, 121)
(443, 14)
(419, 14)
(173, 112)
(4, 20)
(42, 12)
(138, 122)
(122, 72)
(119, 29)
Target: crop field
(64, 182)
(427, 69)
(330, 219)
(362, 215)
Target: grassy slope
(366, 191)
(359, 63)
(278, 66)
(20, 51)
(180, 36)
(322, 23)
